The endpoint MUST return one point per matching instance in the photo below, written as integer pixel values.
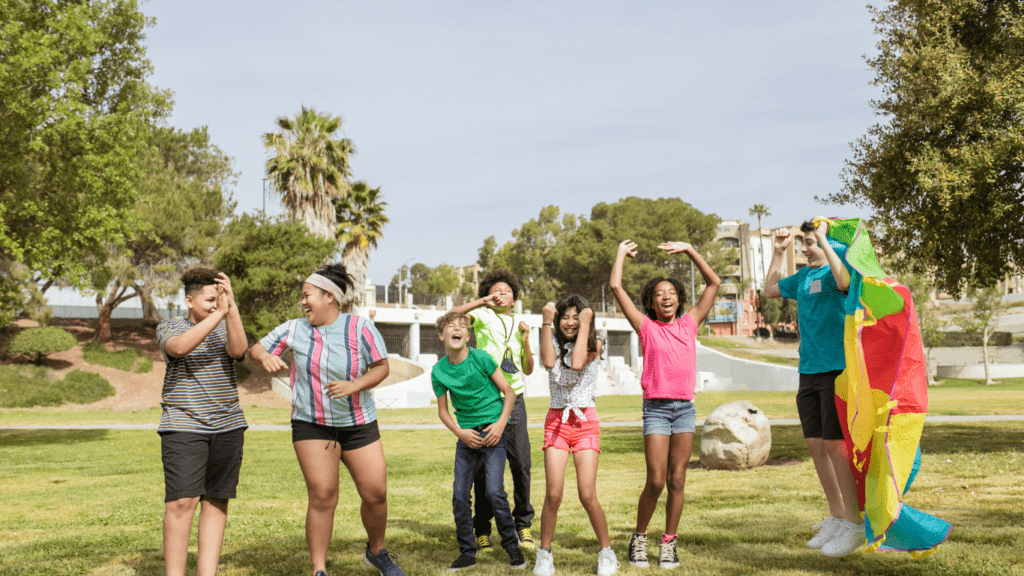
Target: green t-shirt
(496, 332)
(476, 399)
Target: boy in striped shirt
(202, 427)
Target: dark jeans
(518, 453)
(491, 461)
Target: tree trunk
(150, 313)
(115, 297)
(356, 263)
(984, 351)
(928, 366)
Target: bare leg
(845, 481)
(320, 470)
(554, 477)
(213, 515)
(178, 516)
(678, 459)
(369, 472)
(586, 484)
(826, 476)
(656, 456)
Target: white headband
(325, 284)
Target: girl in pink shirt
(669, 341)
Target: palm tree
(308, 166)
(760, 210)
(359, 222)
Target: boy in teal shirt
(475, 384)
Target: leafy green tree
(309, 167)
(944, 170)
(771, 312)
(582, 261)
(486, 254)
(183, 203)
(38, 342)
(760, 210)
(525, 255)
(267, 260)
(443, 280)
(984, 317)
(359, 225)
(927, 318)
(73, 102)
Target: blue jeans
(517, 450)
(492, 460)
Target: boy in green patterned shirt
(202, 427)
(506, 337)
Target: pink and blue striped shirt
(342, 350)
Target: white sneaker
(607, 563)
(827, 529)
(545, 563)
(848, 539)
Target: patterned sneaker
(637, 553)
(483, 543)
(607, 563)
(826, 530)
(463, 561)
(320, 573)
(515, 558)
(848, 539)
(525, 539)
(382, 562)
(668, 558)
(545, 563)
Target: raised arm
(237, 342)
(489, 300)
(633, 315)
(835, 263)
(712, 282)
(783, 239)
(183, 344)
(580, 355)
(527, 359)
(548, 354)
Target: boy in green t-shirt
(506, 337)
(474, 382)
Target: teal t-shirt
(476, 399)
(820, 314)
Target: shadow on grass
(788, 444)
(981, 437)
(13, 438)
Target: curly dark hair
(338, 274)
(195, 279)
(579, 303)
(499, 275)
(807, 226)
(647, 297)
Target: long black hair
(647, 297)
(579, 303)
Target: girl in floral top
(571, 425)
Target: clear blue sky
(473, 115)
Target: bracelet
(546, 324)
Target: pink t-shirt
(670, 358)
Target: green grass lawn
(91, 502)
(951, 397)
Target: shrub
(958, 338)
(83, 387)
(26, 386)
(38, 342)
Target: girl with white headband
(336, 359)
(571, 426)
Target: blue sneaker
(320, 573)
(382, 562)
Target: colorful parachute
(884, 395)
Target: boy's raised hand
(224, 288)
(821, 230)
(628, 248)
(674, 247)
(782, 239)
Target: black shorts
(349, 437)
(204, 465)
(816, 404)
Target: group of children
(337, 358)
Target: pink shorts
(574, 435)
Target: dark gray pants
(517, 450)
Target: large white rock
(734, 436)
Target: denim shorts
(667, 416)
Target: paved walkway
(287, 427)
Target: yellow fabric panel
(859, 408)
(904, 436)
(880, 489)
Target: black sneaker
(382, 562)
(320, 573)
(464, 560)
(515, 558)
(638, 550)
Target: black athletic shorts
(204, 465)
(349, 437)
(816, 404)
